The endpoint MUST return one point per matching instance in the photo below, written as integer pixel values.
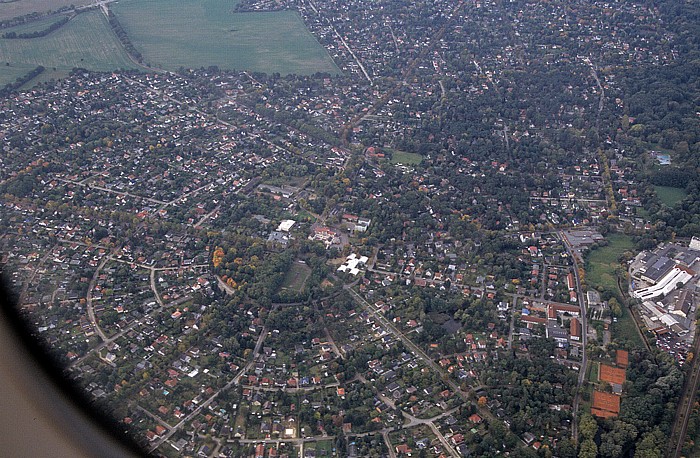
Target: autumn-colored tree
(217, 256)
(482, 401)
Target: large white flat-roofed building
(666, 284)
(286, 225)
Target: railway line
(690, 388)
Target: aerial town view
(361, 228)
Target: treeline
(27, 18)
(674, 177)
(123, 37)
(21, 81)
(39, 33)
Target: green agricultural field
(11, 9)
(86, 41)
(670, 196)
(10, 73)
(172, 34)
(34, 26)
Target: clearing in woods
(296, 277)
(670, 196)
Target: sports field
(296, 277)
(172, 34)
(670, 196)
(402, 157)
(86, 41)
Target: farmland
(86, 41)
(11, 9)
(172, 34)
(34, 26)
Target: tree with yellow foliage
(217, 256)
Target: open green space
(33, 26)
(402, 157)
(10, 73)
(626, 330)
(602, 262)
(642, 212)
(593, 371)
(670, 196)
(172, 34)
(324, 448)
(12, 9)
(296, 277)
(86, 42)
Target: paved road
(234, 381)
(88, 300)
(584, 340)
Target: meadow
(86, 41)
(670, 196)
(172, 34)
(602, 262)
(600, 274)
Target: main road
(584, 339)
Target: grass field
(296, 277)
(600, 274)
(593, 371)
(86, 41)
(625, 329)
(8, 74)
(170, 34)
(34, 26)
(601, 263)
(669, 196)
(402, 157)
(10, 10)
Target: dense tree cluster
(123, 37)
(21, 81)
